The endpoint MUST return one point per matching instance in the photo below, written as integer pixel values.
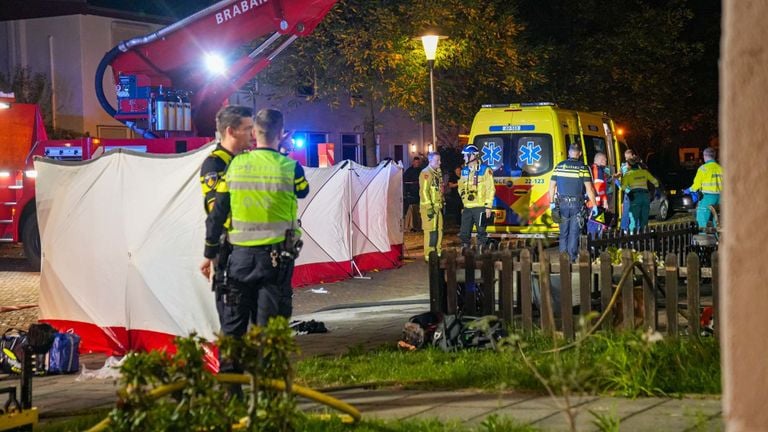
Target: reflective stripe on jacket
(477, 183)
(638, 178)
(709, 178)
(212, 177)
(430, 189)
(263, 201)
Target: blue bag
(64, 356)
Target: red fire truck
(169, 85)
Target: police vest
(211, 178)
(262, 197)
(570, 176)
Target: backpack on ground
(419, 331)
(16, 344)
(451, 332)
(12, 344)
(64, 356)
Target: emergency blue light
(298, 142)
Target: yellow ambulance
(523, 143)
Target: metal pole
(432, 98)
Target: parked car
(669, 197)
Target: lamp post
(430, 49)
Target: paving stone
(618, 408)
(455, 412)
(674, 415)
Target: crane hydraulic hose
(99, 80)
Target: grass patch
(608, 363)
(73, 423)
(491, 424)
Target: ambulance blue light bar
(512, 128)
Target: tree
(366, 52)
(35, 88)
(631, 58)
(29, 87)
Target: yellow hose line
(611, 304)
(351, 414)
(298, 390)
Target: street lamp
(430, 49)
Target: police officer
(635, 184)
(234, 125)
(260, 190)
(708, 180)
(477, 191)
(431, 203)
(566, 188)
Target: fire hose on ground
(351, 414)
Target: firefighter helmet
(470, 149)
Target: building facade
(67, 49)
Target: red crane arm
(174, 57)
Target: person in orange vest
(600, 178)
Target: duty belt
(570, 198)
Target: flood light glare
(215, 64)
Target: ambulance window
(520, 155)
(592, 145)
(533, 153)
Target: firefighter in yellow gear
(477, 191)
(431, 205)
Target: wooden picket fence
(504, 278)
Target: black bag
(419, 331)
(452, 332)
(12, 344)
(455, 333)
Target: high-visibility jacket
(600, 185)
(262, 198)
(638, 178)
(212, 177)
(709, 178)
(431, 189)
(476, 186)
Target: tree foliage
(368, 53)
(634, 59)
(650, 63)
(35, 88)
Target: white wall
(67, 49)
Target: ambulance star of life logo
(491, 154)
(530, 153)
